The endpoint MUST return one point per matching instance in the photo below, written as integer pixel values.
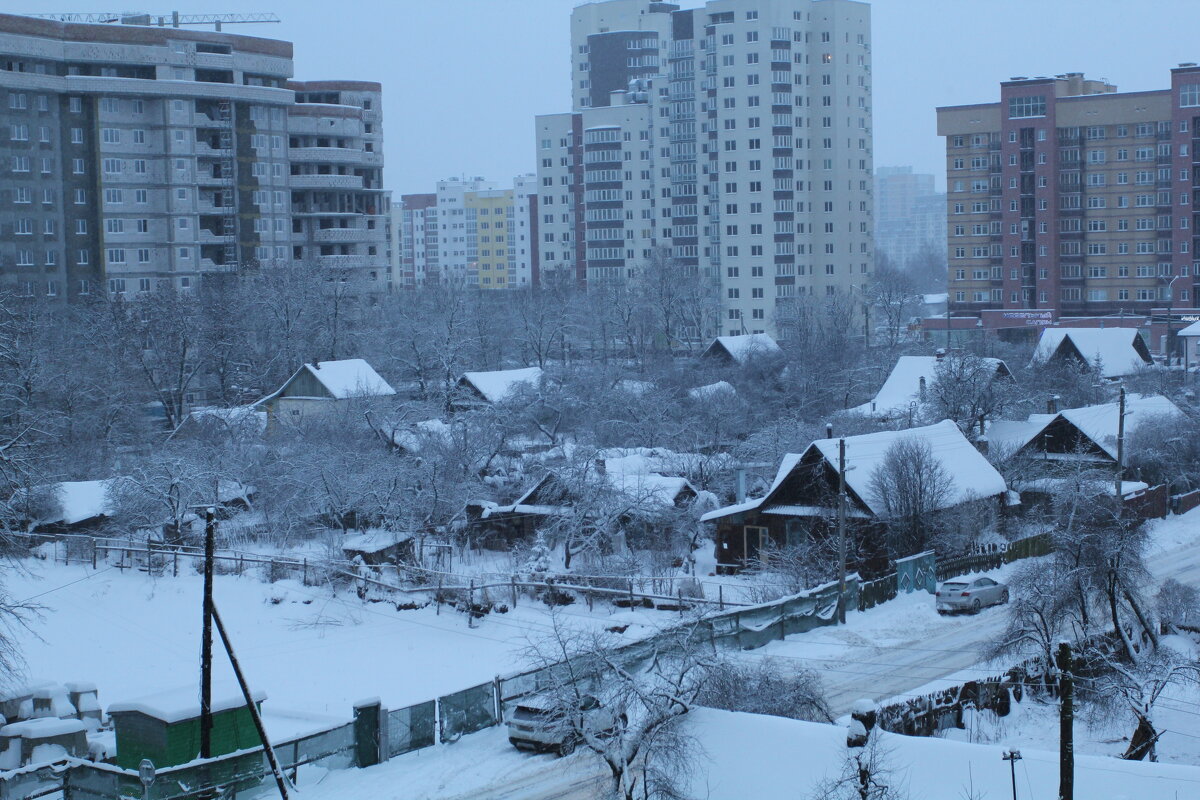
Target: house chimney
(1052, 404)
(940, 353)
(829, 426)
(922, 390)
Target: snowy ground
(313, 652)
(749, 756)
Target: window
(1189, 95)
(112, 166)
(115, 255)
(1022, 107)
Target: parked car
(970, 595)
(538, 723)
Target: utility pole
(1066, 724)
(1012, 757)
(1120, 446)
(841, 601)
(280, 781)
(206, 638)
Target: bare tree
(968, 389)
(1135, 689)
(911, 484)
(894, 298)
(650, 688)
(765, 686)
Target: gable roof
(71, 501)
(496, 386)
(903, 384)
(1190, 330)
(742, 348)
(712, 391)
(1121, 350)
(973, 477)
(1099, 423)
(1009, 436)
(352, 377)
(342, 380)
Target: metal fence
(409, 729)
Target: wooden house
(476, 389)
(741, 350)
(802, 500)
(1087, 434)
(909, 386)
(378, 547)
(165, 728)
(316, 389)
(1119, 351)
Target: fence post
(631, 594)
(367, 714)
(175, 566)
(295, 760)
(513, 581)
(95, 547)
(721, 596)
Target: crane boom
(174, 19)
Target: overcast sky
(463, 79)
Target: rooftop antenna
(174, 19)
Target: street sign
(146, 773)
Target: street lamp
(1170, 307)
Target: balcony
(339, 234)
(332, 155)
(343, 262)
(325, 182)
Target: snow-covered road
(904, 647)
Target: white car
(970, 595)
(539, 723)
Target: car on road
(541, 723)
(971, 595)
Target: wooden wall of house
(304, 384)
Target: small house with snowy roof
(316, 389)
(1119, 351)
(910, 384)
(743, 349)
(1086, 434)
(476, 389)
(801, 504)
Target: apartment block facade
(732, 139)
(134, 158)
(910, 214)
(1071, 198)
(469, 232)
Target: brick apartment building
(1070, 199)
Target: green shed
(165, 728)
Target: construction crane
(174, 19)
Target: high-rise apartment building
(135, 157)
(733, 140)
(1070, 198)
(339, 208)
(469, 232)
(910, 215)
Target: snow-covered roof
(76, 500)
(711, 391)
(415, 437)
(744, 347)
(642, 460)
(373, 541)
(935, 299)
(352, 377)
(1094, 486)
(1008, 436)
(973, 477)
(649, 487)
(1115, 347)
(903, 385)
(496, 386)
(1190, 330)
(634, 387)
(179, 704)
(43, 728)
(1099, 423)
